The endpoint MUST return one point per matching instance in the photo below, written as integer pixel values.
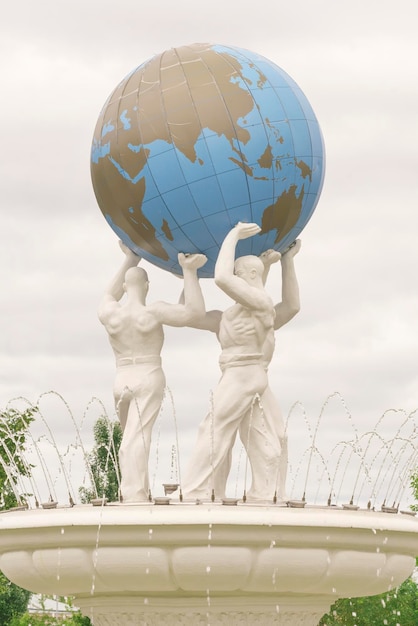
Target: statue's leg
(144, 406)
(262, 434)
(210, 460)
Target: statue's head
(136, 279)
(250, 268)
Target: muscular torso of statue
(246, 331)
(135, 333)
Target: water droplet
(62, 531)
(207, 569)
(146, 600)
(147, 570)
(277, 608)
(272, 544)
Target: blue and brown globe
(198, 138)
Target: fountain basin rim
(177, 514)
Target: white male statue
(262, 429)
(136, 335)
(242, 362)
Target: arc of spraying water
(344, 445)
(396, 462)
(212, 443)
(176, 431)
(27, 466)
(332, 396)
(407, 470)
(313, 441)
(111, 450)
(255, 399)
(388, 454)
(79, 440)
(157, 454)
(298, 470)
(12, 482)
(324, 471)
(43, 464)
(406, 475)
(54, 443)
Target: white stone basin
(150, 564)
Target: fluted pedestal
(206, 564)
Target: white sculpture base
(206, 564)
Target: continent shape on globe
(197, 139)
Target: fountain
(193, 555)
(215, 563)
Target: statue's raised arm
(242, 280)
(192, 306)
(289, 305)
(115, 289)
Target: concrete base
(212, 564)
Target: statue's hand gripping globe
(197, 139)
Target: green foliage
(104, 462)
(13, 433)
(414, 487)
(75, 618)
(13, 601)
(391, 609)
(33, 619)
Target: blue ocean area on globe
(201, 137)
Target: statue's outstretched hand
(244, 230)
(269, 257)
(293, 249)
(127, 251)
(192, 261)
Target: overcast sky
(357, 329)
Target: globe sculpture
(192, 142)
(198, 138)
